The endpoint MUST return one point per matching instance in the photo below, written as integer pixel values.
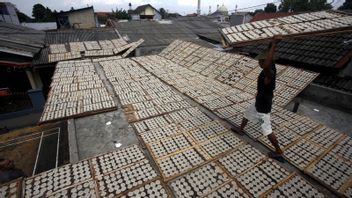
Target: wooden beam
(344, 60)
(290, 36)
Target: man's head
(261, 58)
(6, 164)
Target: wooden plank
(72, 141)
(346, 185)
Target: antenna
(198, 10)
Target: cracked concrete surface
(328, 116)
(95, 135)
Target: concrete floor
(103, 133)
(328, 116)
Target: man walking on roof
(260, 111)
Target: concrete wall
(148, 11)
(329, 97)
(84, 19)
(237, 19)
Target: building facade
(145, 12)
(78, 19)
(239, 18)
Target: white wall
(41, 26)
(84, 19)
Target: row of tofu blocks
(86, 93)
(301, 23)
(96, 51)
(125, 171)
(77, 55)
(87, 46)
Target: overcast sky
(181, 6)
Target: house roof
(103, 14)
(65, 36)
(319, 53)
(141, 8)
(154, 33)
(202, 26)
(41, 25)
(77, 10)
(20, 40)
(272, 15)
(335, 82)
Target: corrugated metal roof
(202, 26)
(66, 36)
(154, 33)
(161, 34)
(19, 40)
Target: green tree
(42, 14)
(257, 11)
(347, 5)
(163, 13)
(22, 17)
(317, 5)
(38, 12)
(303, 5)
(120, 14)
(49, 15)
(270, 7)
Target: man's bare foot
(237, 130)
(276, 156)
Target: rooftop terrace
(180, 105)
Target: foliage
(42, 14)
(270, 7)
(22, 17)
(38, 12)
(163, 13)
(120, 14)
(256, 11)
(303, 5)
(347, 5)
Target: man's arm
(270, 58)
